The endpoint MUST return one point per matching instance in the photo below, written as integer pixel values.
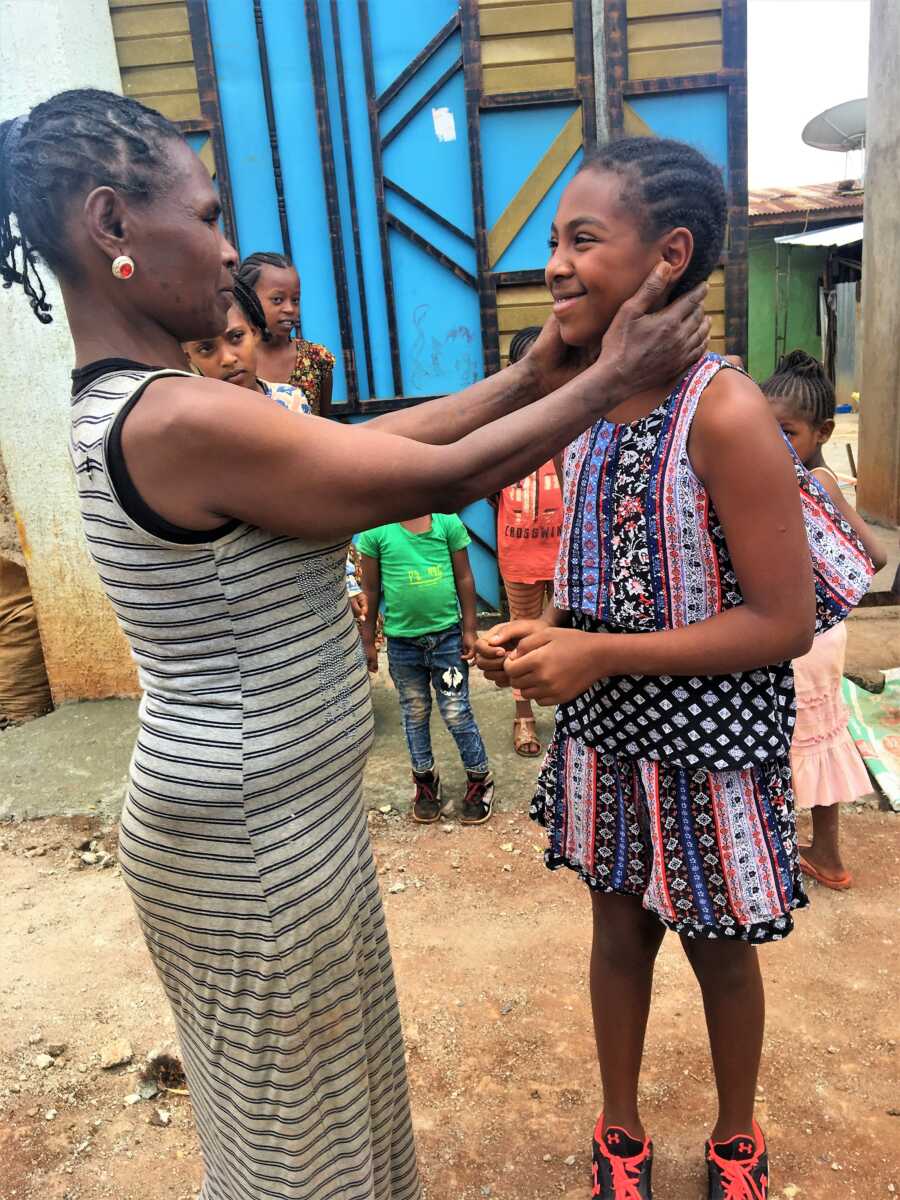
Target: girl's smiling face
(599, 256)
(278, 289)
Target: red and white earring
(123, 267)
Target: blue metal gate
(408, 155)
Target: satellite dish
(840, 128)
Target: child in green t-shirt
(423, 570)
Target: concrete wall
(46, 47)
(802, 311)
(879, 430)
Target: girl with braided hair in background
(219, 524)
(232, 357)
(284, 355)
(683, 588)
(826, 765)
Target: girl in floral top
(683, 589)
(284, 357)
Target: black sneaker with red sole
(622, 1164)
(739, 1168)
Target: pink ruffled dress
(826, 764)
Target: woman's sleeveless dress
(245, 846)
(674, 790)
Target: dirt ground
(491, 957)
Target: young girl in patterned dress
(284, 356)
(827, 767)
(683, 589)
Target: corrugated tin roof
(832, 235)
(820, 201)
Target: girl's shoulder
(314, 354)
(288, 396)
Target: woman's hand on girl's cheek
(553, 665)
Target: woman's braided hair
(249, 303)
(800, 380)
(74, 141)
(670, 184)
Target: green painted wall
(806, 267)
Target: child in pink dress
(826, 765)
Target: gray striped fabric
(245, 846)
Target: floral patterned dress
(313, 366)
(673, 790)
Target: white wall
(48, 46)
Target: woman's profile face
(183, 262)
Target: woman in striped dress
(219, 523)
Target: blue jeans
(417, 665)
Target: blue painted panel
(400, 29)
(454, 247)
(529, 248)
(233, 35)
(301, 167)
(367, 213)
(697, 117)
(438, 322)
(436, 172)
(423, 79)
(512, 144)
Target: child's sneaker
(428, 804)
(622, 1164)
(739, 1168)
(478, 802)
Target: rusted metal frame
(332, 202)
(522, 99)
(734, 52)
(351, 186)
(272, 127)
(681, 83)
(584, 68)
(375, 408)
(417, 63)
(421, 103)
(431, 250)
(616, 36)
(194, 125)
(487, 288)
(365, 32)
(427, 210)
(208, 90)
(511, 278)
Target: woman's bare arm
(199, 450)
(550, 363)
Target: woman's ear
(677, 249)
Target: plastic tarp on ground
(875, 727)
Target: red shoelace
(626, 1175)
(737, 1178)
